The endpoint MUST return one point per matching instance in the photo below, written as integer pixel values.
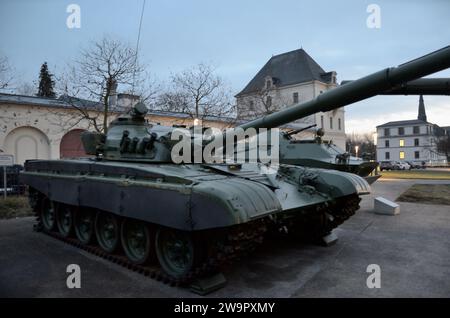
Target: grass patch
(427, 193)
(14, 206)
(416, 174)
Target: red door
(71, 145)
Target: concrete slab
(386, 207)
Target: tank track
(322, 219)
(345, 208)
(238, 242)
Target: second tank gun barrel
(358, 90)
(421, 86)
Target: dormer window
(268, 82)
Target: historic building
(47, 128)
(287, 79)
(410, 140)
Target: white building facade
(287, 79)
(410, 140)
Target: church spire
(422, 115)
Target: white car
(404, 166)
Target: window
(402, 143)
(268, 84)
(387, 155)
(295, 97)
(251, 105)
(416, 130)
(401, 131)
(386, 132)
(416, 154)
(331, 122)
(416, 142)
(339, 124)
(402, 155)
(321, 122)
(386, 143)
(269, 101)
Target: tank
(319, 153)
(178, 222)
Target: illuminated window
(402, 142)
(402, 155)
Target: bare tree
(6, 72)
(96, 75)
(198, 92)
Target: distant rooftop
(66, 101)
(404, 123)
(287, 69)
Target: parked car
(385, 165)
(415, 165)
(402, 165)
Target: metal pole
(4, 182)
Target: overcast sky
(239, 36)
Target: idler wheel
(48, 214)
(137, 241)
(64, 219)
(178, 252)
(84, 221)
(107, 231)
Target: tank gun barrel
(421, 86)
(358, 90)
(296, 131)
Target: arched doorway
(71, 145)
(27, 143)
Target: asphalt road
(412, 250)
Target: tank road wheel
(64, 219)
(48, 214)
(84, 221)
(107, 231)
(137, 241)
(177, 252)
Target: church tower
(422, 115)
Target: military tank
(319, 153)
(177, 222)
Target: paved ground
(412, 250)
